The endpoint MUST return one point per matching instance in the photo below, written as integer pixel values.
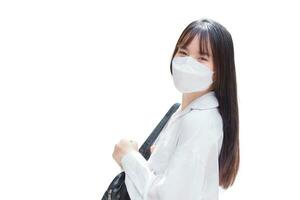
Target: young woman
(198, 149)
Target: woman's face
(193, 50)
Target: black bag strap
(145, 148)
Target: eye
(181, 52)
(203, 58)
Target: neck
(187, 98)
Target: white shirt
(184, 163)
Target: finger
(152, 148)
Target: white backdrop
(77, 76)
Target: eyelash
(186, 54)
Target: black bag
(117, 189)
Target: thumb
(135, 145)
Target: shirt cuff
(128, 158)
(138, 169)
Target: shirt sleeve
(193, 161)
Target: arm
(184, 177)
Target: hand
(122, 148)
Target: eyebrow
(204, 53)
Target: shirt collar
(206, 101)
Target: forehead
(197, 45)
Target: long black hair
(225, 87)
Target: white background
(77, 76)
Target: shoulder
(201, 125)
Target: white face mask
(189, 75)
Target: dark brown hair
(225, 88)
